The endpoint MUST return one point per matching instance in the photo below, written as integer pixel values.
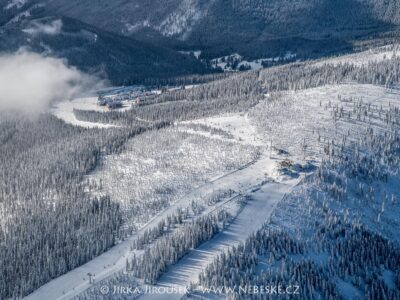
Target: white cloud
(53, 28)
(30, 82)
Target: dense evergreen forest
(243, 91)
(50, 224)
(314, 240)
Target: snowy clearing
(240, 179)
(237, 125)
(235, 62)
(219, 153)
(144, 180)
(300, 123)
(363, 58)
(65, 111)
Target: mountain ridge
(122, 59)
(222, 27)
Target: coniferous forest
(310, 151)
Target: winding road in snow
(65, 111)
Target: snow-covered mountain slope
(309, 149)
(335, 235)
(252, 28)
(171, 19)
(183, 19)
(303, 132)
(15, 3)
(91, 49)
(262, 33)
(364, 57)
(226, 165)
(344, 116)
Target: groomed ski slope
(254, 214)
(243, 180)
(114, 260)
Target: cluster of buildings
(135, 96)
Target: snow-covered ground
(368, 123)
(65, 111)
(114, 260)
(251, 178)
(196, 53)
(235, 61)
(364, 57)
(301, 122)
(15, 3)
(237, 125)
(359, 120)
(159, 167)
(190, 162)
(253, 216)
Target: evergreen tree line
(185, 80)
(168, 225)
(306, 75)
(163, 227)
(356, 164)
(169, 112)
(46, 214)
(171, 247)
(205, 128)
(242, 91)
(159, 167)
(355, 255)
(329, 246)
(180, 217)
(49, 224)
